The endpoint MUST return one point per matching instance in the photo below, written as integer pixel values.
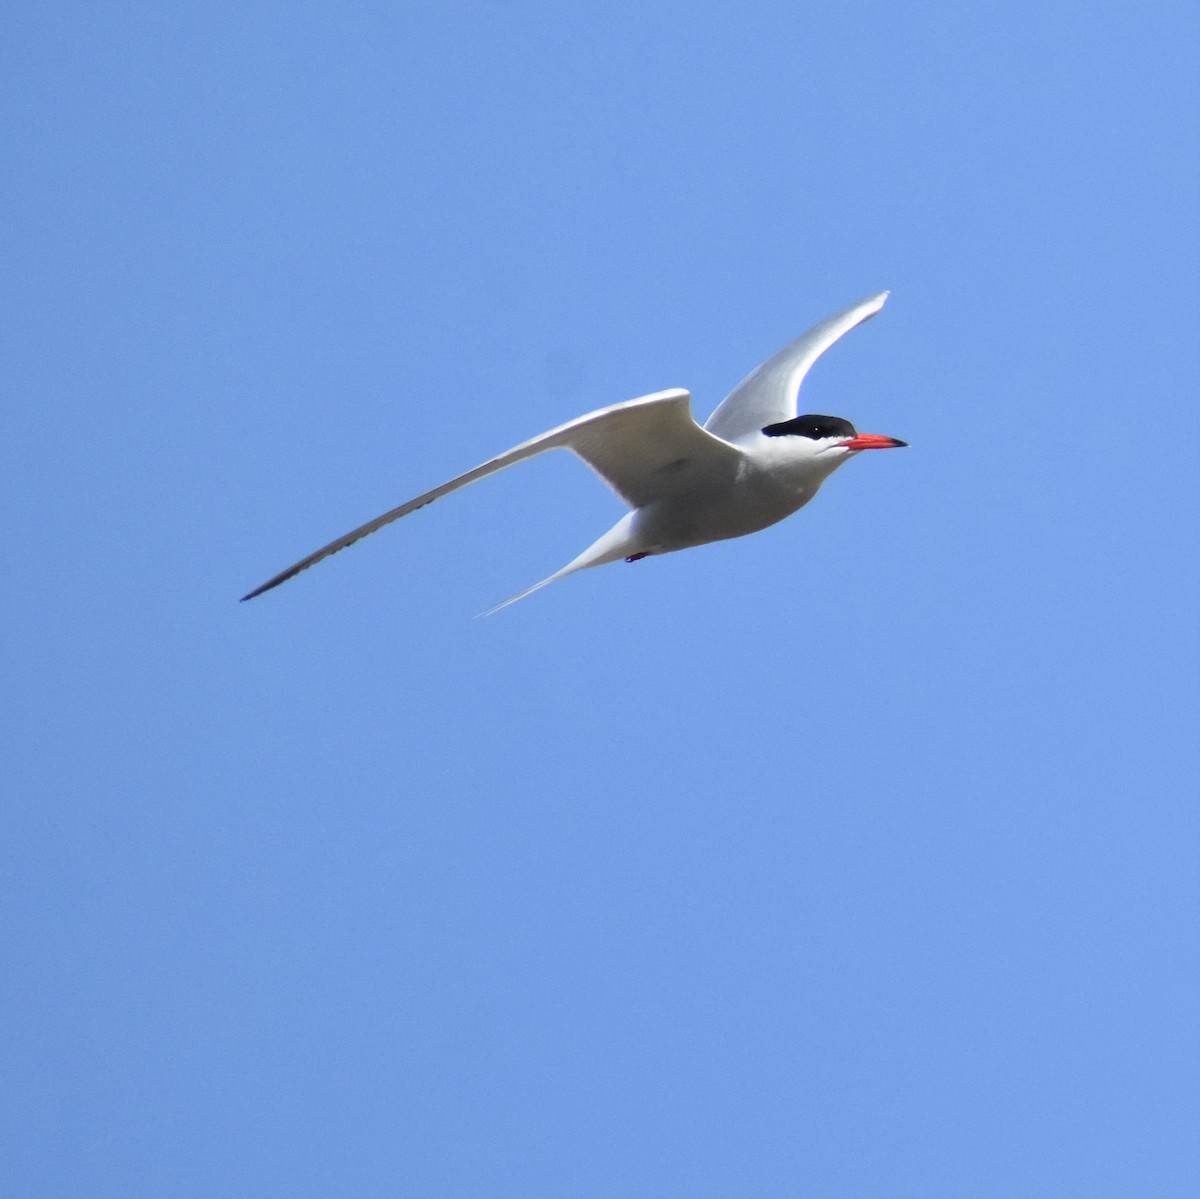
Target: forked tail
(619, 542)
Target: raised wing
(768, 394)
(644, 449)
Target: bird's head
(829, 440)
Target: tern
(753, 462)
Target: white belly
(755, 500)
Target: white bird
(754, 462)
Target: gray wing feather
(768, 394)
(643, 449)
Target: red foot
(638, 557)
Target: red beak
(873, 441)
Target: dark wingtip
(259, 590)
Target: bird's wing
(768, 395)
(644, 449)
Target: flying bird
(752, 463)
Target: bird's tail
(619, 542)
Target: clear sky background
(857, 858)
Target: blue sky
(856, 858)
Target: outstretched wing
(768, 395)
(644, 449)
